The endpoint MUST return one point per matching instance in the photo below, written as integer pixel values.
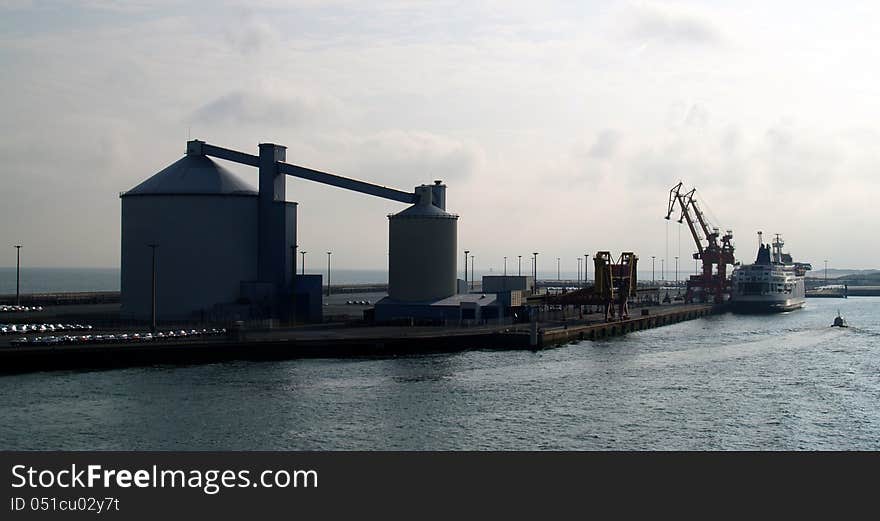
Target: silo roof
(423, 211)
(193, 174)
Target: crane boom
(676, 197)
(712, 282)
(708, 232)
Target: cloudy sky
(559, 127)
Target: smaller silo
(421, 246)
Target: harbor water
(763, 382)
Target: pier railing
(63, 298)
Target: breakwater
(337, 342)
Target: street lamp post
(520, 265)
(535, 269)
(579, 271)
(662, 270)
(293, 283)
(505, 266)
(586, 269)
(466, 252)
(558, 273)
(303, 253)
(18, 274)
(153, 306)
(652, 270)
(826, 271)
(472, 272)
(328, 272)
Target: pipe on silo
(438, 193)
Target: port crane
(615, 285)
(713, 249)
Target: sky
(559, 127)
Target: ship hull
(766, 306)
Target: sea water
(782, 382)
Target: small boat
(839, 321)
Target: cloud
(407, 158)
(252, 35)
(122, 6)
(14, 5)
(671, 25)
(697, 116)
(731, 139)
(682, 116)
(266, 107)
(401, 94)
(606, 144)
(779, 137)
(794, 159)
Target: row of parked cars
(359, 303)
(11, 309)
(119, 338)
(15, 329)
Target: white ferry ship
(773, 283)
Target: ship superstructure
(773, 283)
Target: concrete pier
(654, 317)
(335, 342)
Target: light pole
(328, 272)
(586, 268)
(472, 272)
(303, 253)
(662, 270)
(520, 265)
(535, 269)
(652, 270)
(18, 274)
(505, 266)
(465, 266)
(826, 269)
(153, 306)
(293, 283)
(579, 271)
(558, 273)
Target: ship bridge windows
(754, 288)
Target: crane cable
(666, 255)
(713, 220)
(679, 253)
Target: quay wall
(345, 343)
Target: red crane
(712, 285)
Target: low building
(462, 308)
(503, 283)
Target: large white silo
(422, 251)
(204, 221)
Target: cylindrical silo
(422, 244)
(204, 221)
